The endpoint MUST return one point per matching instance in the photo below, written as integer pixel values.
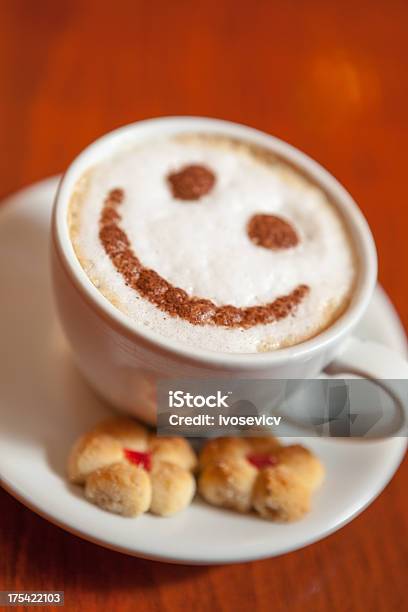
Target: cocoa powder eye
(191, 182)
(272, 232)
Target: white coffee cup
(123, 362)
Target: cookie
(173, 488)
(128, 471)
(120, 488)
(229, 484)
(259, 474)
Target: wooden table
(329, 77)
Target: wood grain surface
(329, 77)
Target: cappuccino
(213, 242)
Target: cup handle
(376, 362)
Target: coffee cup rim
(354, 218)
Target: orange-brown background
(329, 77)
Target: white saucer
(45, 405)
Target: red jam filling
(144, 460)
(262, 461)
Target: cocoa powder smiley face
(189, 184)
(213, 242)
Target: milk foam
(203, 246)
